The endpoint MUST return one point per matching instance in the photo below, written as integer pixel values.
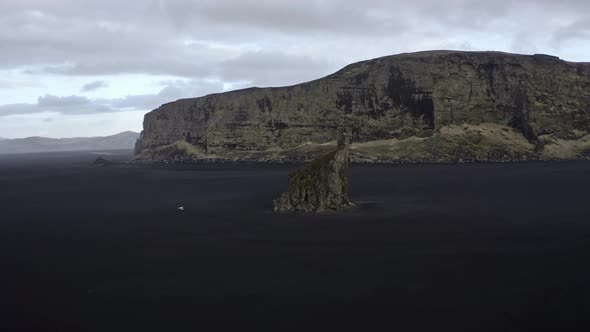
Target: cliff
(435, 106)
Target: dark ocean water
(485, 247)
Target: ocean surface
(482, 247)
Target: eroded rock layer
(542, 100)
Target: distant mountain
(124, 140)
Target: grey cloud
(74, 105)
(360, 19)
(13, 109)
(260, 68)
(303, 16)
(273, 68)
(266, 42)
(93, 86)
(78, 105)
(55, 101)
(127, 65)
(206, 44)
(6, 85)
(158, 37)
(579, 29)
(171, 91)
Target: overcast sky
(86, 67)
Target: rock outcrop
(100, 161)
(540, 102)
(320, 186)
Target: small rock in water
(100, 161)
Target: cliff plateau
(435, 106)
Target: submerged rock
(100, 161)
(321, 185)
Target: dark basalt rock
(320, 186)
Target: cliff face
(542, 100)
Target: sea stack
(321, 185)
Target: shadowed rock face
(320, 186)
(544, 99)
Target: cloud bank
(210, 46)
